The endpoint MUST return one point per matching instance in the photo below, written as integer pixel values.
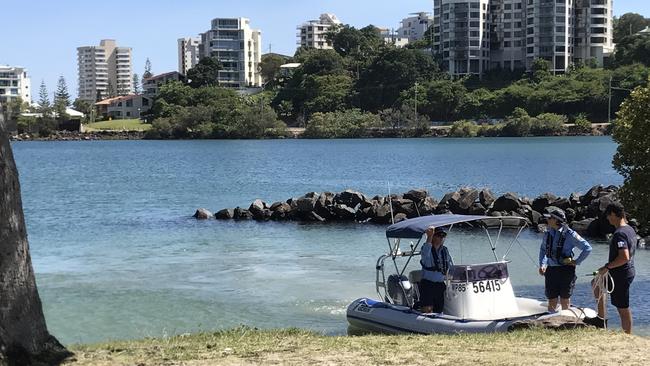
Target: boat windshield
(478, 272)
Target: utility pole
(609, 108)
(416, 98)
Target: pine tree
(61, 99)
(147, 70)
(44, 106)
(136, 84)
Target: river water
(118, 256)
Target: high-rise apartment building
(312, 34)
(474, 36)
(462, 35)
(238, 48)
(188, 53)
(104, 70)
(414, 27)
(14, 83)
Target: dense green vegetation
(333, 92)
(632, 158)
(181, 111)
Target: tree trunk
(24, 338)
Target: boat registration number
(363, 308)
(478, 287)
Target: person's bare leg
(601, 303)
(626, 319)
(552, 304)
(565, 303)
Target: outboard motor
(399, 290)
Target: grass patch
(299, 347)
(118, 125)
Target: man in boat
(435, 261)
(556, 262)
(620, 266)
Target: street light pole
(609, 107)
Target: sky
(43, 35)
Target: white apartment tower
(312, 34)
(103, 70)
(562, 32)
(14, 83)
(238, 48)
(415, 26)
(188, 53)
(594, 37)
(462, 35)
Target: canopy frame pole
(492, 244)
(413, 251)
(512, 243)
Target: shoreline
(292, 133)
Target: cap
(556, 213)
(440, 230)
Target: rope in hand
(599, 286)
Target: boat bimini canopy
(415, 228)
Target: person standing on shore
(556, 261)
(620, 266)
(435, 261)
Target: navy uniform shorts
(620, 297)
(560, 281)
(432, 294)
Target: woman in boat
(435, 261)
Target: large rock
(582, 226)
(382, 214)
(324, 205)
(416, 195)
(281, 211)
(349, 198)
(242, 214)
(400, 217)
(450, 201)
(562, 203)
(427, 206)
(477, 209)
(467, 199)
(543, 201)
(486, 197)
(225, 214)
(257, 209)
(405, 206)
(534, 217)
(313, 216)
(306, 203)
(591, 194)
(507, 202)
(598, 206)
(344, 213)
(202, 214)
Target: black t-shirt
(624, 237)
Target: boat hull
(367, 315)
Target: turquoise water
(118, 256)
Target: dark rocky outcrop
(585, 213)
